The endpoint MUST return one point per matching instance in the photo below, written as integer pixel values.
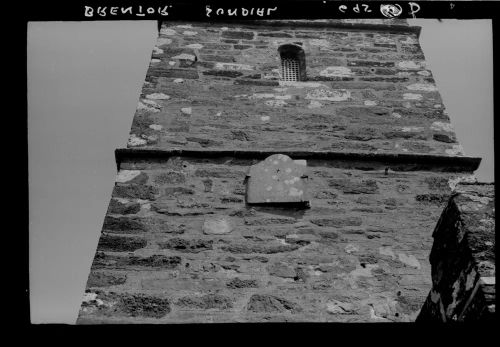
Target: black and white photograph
(259, 169)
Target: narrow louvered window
(293, 63)
(290, 69)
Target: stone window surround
(292, 52)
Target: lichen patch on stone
(329, 95)
(425, 87)
(387, 251)
(156, 127)
(452, 182)
(455, 150)
(319, 42)
(186, 110)
(351, 248)
(163, 41)
(411, 96)
(168, 32)
(302, 84)
(275, 103)
(295, 192)
(441, 126)
(262, 96)
(412, 129)
(157, 50)
(195, 46)
(409, 65)
(424, 73)
(148, 105)
(124, 176)
(217, 225)
(336, 71)
(409, 260)
(135, 141)
(315, 104)
(233, 67)
(185, 56)
(157, 96)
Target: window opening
(293, 63)
(290, 69)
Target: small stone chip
(186, 110)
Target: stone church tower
(278, 171)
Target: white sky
(84, 80)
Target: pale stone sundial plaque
(278, 179)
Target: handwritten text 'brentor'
(139, 11)
(243, 12)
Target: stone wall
(463, 258)
(179, 244)
(216, 86)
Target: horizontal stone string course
(452, 163)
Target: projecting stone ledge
(418, 161)
(463, 258)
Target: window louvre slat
(290, 69)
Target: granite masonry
(343, 233)
(463, 258)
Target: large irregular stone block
(217, 225)
(263, 303)
(120, 244)
(237, 283)
(118, 207)
(245, 35)
(99, 279)
(187, 246)
(156, 260)
(205, 302)
(124, 304)
(135, 191)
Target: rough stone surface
(217, 225)
(365, 246)
(271, 304)
(329, 111)
(357, 254)
(123, 305)
(138, 191)
(98, 279)
(463, 258)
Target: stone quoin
(339, 229)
